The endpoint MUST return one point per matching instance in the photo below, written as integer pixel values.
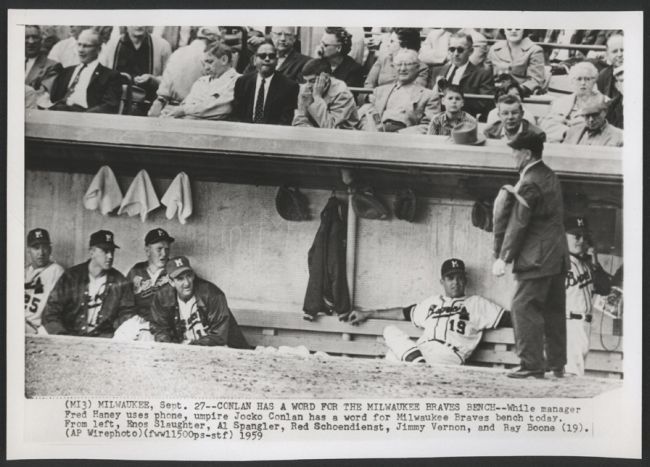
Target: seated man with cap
(40, 277)
(596, 130)
(190, 310)
(324, 101)
(402, 104)
(584, 278)
(511, 120)
(452, 323)
(147, 277)
(90, 299)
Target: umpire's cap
(103, 239)
(38, 237)
(367, 206)
(529, 140)
(451, 266)
(291, 204)
(157, 235)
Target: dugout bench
(328, 334)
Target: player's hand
(357, 316)
(499, 267)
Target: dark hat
(482, 215)
(291, 204)
(38, 237)
(576, 224)
(451, 266)
(528, 140)
(103, 239)
(157, 235)
(405, 205)
(467, 133)
(366, 205)
(177, 265)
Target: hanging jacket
(327, 289)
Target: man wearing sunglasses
(265, 96)
(596, 130)
(472, 79)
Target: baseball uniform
(39, 282)
(579, 291)
(452, 328)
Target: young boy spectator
(453, 100)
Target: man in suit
(402, 104)
(461, 71)
(265, 96)
(511, 120)
(89, 86)
(40, 72)
(535, 242)
(615, 52)
(290, 62)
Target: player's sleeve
(486, 314)
(52, 318)
(420, 312)
(408, 312)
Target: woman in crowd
(520, 57)
(383, 71)
(564, 112)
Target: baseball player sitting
(190, 310)
(91, 298)
(40, 276)
(584, 278)
(452, 323)
(147, 277)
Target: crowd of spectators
(407, 80)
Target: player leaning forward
(40, 277)
(452, 323)
(147, 278)
(91, 298)
(190, 310)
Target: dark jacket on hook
(327, 289)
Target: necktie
(450, 80)
(258, 116)
(74, 82)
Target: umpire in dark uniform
(535, 242)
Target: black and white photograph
(408, 227)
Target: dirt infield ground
(70, 366)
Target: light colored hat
(212, 33)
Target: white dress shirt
(78, 97)
(460, 71)
(267, 84)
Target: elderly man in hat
(452, 323)
(190, 310)
(584, 278)
(324, 101)
(184, 67)
(403, 104)
(92, 298)
(40, 276)
(596, 130)
(534, 241)
(147, 277)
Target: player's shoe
(522, 373)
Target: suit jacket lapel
(383, 99)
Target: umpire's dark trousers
(538, 316)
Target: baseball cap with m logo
(177, 265)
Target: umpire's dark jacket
(534, 238)
(327, 289)
(66, 310)
(219, 323)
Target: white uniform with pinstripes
(579, 293)
(452, 327)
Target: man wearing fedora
(452, 323)
(535, 242)
(584, 278)
(190, 310)
(41, 275)
(92, 298)
(147, 277)
(596, 130)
